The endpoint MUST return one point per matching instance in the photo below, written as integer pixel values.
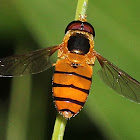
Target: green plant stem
(60, 122)
(19, 109)
(19, 106)
(59, 128)
(81, 8)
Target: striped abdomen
(71, 87)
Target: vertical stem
(60, 122)
(19, 108)
(81, 9)
(59, 128)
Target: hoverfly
(73, 70)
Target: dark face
(78, 43)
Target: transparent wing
(118, 80)
(32, 62)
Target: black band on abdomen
(71, 86)
(73, 73)
(68, 111)
(69, 100)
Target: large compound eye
(79, 25)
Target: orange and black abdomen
(71, 87)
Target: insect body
(73, 70)
(72, 77)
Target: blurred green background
(26, 107)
